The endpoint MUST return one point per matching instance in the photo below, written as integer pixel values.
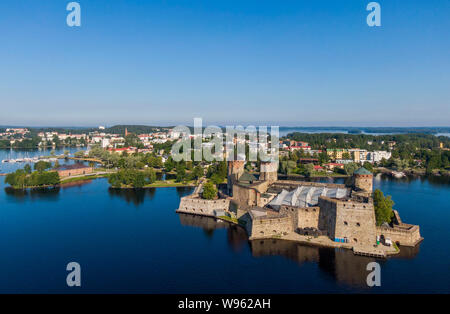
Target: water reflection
(48, 194)
(77, 184)
(434, 180)
(236, 235)
(340, 265)
(134, 196)
(184, 190)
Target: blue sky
(289, 63)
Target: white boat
(398, 174)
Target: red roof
(317, 167)
(120, 149)
(300, 147)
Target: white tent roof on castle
(306, 196)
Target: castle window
(358, 224)
(345, 223)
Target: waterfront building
(73, 170)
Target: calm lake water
(30, 153)
(133, 241)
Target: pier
(371, 253)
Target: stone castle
(326, 214)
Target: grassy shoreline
(161, 184)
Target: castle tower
(363, 180)
(269, 171)
(126, 132)
(235, 170)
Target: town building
(336, 153)
(73, 170)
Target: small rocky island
(324, 214)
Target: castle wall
(269, 227)
(349, 220)
(356, 222)
(250, 195)
(307, 217)
(407, 235)
(327, 216)
(203, 207)
(245, 195)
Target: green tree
(350, 168)
(346, 155)
(198, 172)
(209, 191)
(309, 169)
(79, 154)
(368, 166)
(42, 166)
(181, 173)
(27, 169)
(383, 207)
(169, 164)
(150, 176)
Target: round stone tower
(363, 180)
(269, 171)
(235, 170)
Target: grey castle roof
(247, 177)
(363, 171)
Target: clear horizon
(223, 125)
(296, 63)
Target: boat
(398, 174)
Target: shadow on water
(184, 190)
(339, 265)
(236, 235)
(48, 194)
(77, 184)
(134, 196)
